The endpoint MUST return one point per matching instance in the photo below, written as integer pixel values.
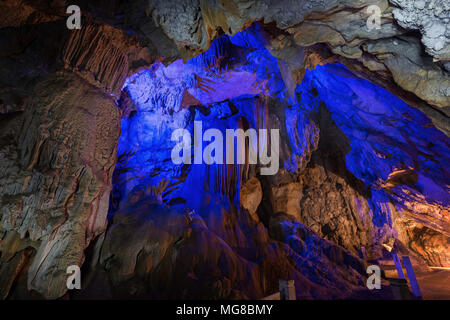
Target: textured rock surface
(358, 166)
(58, 155)
(211, 260)
(432, 18)
(56, 181)
(392, 163)
(427, 243)
(251, 195)
(342, 25)
(94, 52)
(333, 202)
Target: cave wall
(342, 26)
(63, 110)
(58, 155)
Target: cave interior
(87, 176)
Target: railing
(400, 286)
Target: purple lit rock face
(87, 178)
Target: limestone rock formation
(59, 176)
(432, 19)
(341, 25)
(251, 195)
(86, 121)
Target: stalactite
(93, 54)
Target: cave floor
(434, 284)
